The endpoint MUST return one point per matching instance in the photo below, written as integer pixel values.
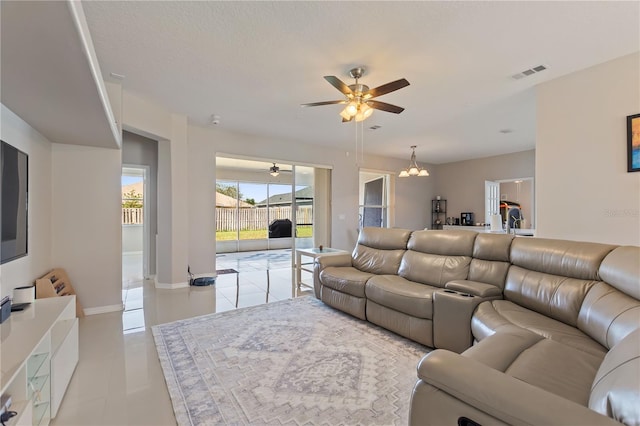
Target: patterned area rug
(291, 362)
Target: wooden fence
(251, 219)
(229, 218)
(132, 216)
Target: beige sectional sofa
(528, 330)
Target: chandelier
(413, 169)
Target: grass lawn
(259, 234)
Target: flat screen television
(14, 195)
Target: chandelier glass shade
(413, 169)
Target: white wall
(24, 271)
(583, 190)
(462, 183)
(411, 199)
(86, 219)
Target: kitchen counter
(486, 229)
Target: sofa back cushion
(608, 315)
(380, 250)
(621, 269)
(611, 310)
(560, 257)
(552, 277)
(615, 391)
(437, 257)
(490, 259)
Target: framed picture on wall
(633, 143)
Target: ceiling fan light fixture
(352, 108)
(413, 169)
(358, 95)
(274, 170)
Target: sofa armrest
(493, 393)
(321, 262)
(342, 259)
(488, 291)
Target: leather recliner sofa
(554, 324)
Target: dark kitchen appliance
(466, 219)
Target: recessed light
(117, 76)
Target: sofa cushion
(560, 257)
(557, 368)
(608, 315)
(541, 362)
(401, 295)
(443, 243)
(492, 315)
(379, 250)
(433, 269)
(375, 261)
(621, 269)
(345, 279)
(384, 238)
(494, 247)
(555, 296)
(616, 389)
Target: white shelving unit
(39, 353)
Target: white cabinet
(39, 353)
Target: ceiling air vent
(530, 71)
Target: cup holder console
(452, 312)
(459, 293)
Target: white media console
(38, 355)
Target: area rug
(291, 362)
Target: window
(374, 198)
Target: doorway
(374, 199)
(135, 253)
(135, 250)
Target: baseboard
(173, 286)
(103, 309)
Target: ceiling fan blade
(383, 106)
(323, 103)
(386, 88)
(338, 84)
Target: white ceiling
(50, 76)
(254, 63)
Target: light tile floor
(118, 380)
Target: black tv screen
(14, 174)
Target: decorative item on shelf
(413, 169)
(57, 283)
(438, 208)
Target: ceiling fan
(359, 98)
(275, 170)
